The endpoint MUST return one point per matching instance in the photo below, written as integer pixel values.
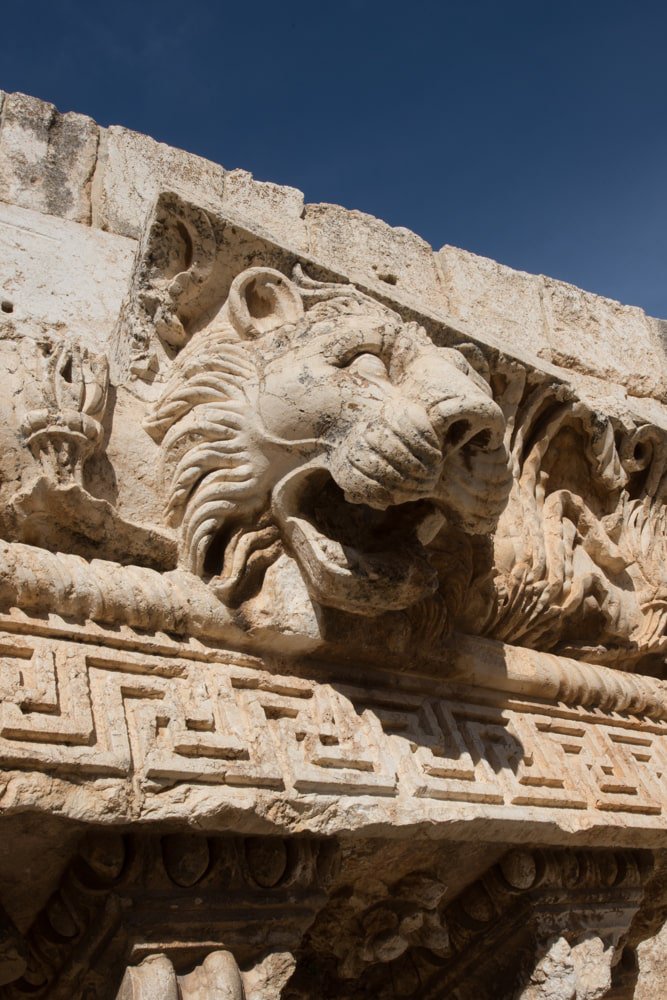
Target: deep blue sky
(533, 132)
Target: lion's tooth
(430, 525)
(305, 536)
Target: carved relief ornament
(305, 420)
(323, 459)
(309, 419)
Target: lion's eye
(368, 365)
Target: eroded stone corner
(47, 159)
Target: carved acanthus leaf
(576, 561)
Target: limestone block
(599, 336)
(58, 276)
(557, 322)
(47, 159)
(390, 260)
(495, 300)
(267, 979)
(134, 168)
(659, 328)
(275, 208)
(652, 962)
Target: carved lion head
(311, 420)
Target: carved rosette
(535, 919)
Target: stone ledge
(130, 171)
(64, 165)
(224, 741)
(559, 323)
(390, 261)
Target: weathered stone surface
(504, 304)
(47, 159)
(553, 321)
(333, 602)
(652, 967)
(393, 261)
(132, 169)
(61, 278)
(276, 209)
(604, 338)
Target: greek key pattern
(75, 709)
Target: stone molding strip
(180, 604)
(527, 672)
(225, 741)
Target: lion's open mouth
(356, 557)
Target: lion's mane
(210, 459)
(209, 467)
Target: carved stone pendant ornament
(333, 600)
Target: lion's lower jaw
(353, 557)
(341, 577)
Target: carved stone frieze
(313, 602)
(538, 924)
(65, 391)
(185, 718)
(182, 916)
(577, 558)
(311, 421)
(64, 415)
(328, 462)
(63, 428)
(182, 912)
(176, 256)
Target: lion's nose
(467, 420)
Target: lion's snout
(429, 435)
(458, 403)
(461, 422)
(404, 455)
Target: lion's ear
(262, 299)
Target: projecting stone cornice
(330, 567)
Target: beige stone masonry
(64, 165)
(390, 260)
(90, 270)
(131, 170)
(485, 294)
(556, 322)
(47, 159)
(333, 599)
(276, 209)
